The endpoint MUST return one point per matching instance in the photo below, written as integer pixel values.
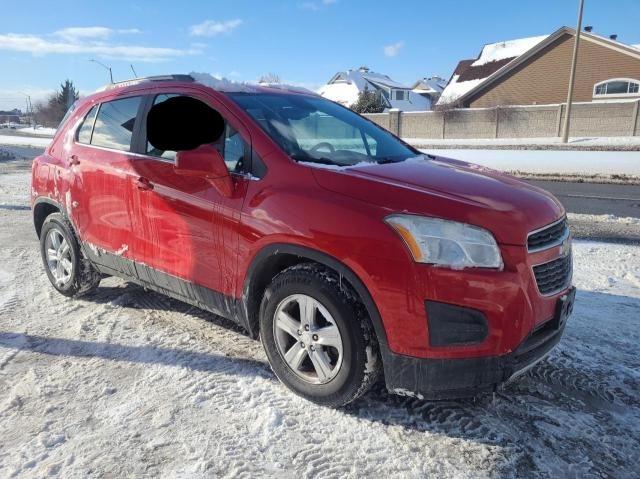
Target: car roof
(192, 80)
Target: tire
(76, 276)
(353, 366)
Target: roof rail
(135, 81)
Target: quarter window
(619, 86)
(84, 132)
(114, 124)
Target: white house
(430, 87)
(345, 87)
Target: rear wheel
(68, 270)
(317, 336)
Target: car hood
(449, 189)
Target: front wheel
(68, 270)
(317, 337)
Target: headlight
(447, 243)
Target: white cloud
(210, 28)
(88, 41)
(10, 99)
(393, 49)
(315, 6)
(98, 33)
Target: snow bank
(19, 140)
(561, 162)
(581, 142)
(40, 131)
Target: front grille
(553, 276)
(548, 236)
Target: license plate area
(564, 308)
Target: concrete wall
(539, 121)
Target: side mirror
(205, 162)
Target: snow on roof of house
(430, 84)
(636, 46)
(344, 87)
(470, 73)
(494, 52)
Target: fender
(46, 200)
(249, 303)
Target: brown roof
(481, 71)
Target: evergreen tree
(67, 95)
(368, 102)
(51, 111)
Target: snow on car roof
(226, 85)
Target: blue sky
(303, 41)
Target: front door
(189, 228)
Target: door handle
(144, 184)
(74, 160)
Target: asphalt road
(582, 198)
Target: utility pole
(572, 76)
(29, 109)
(105, 66)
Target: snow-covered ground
(23, 140)
(127, 383)
(39, 131)
(608, 164)
(600, 142)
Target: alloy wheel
(308, 338)
(58, 255)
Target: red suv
(348, 252)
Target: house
(344, 88)
(430, 87)
(535, 70)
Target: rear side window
(115, 122)
(84, 132)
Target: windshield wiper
(311, 159)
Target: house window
(617, 87)
(400, 95)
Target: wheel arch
(274, 258)
(43, 207)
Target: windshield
(317, 130)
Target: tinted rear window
(115, 122)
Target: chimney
(613, 37)
(588, 28)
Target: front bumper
(455, 378)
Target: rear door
(103, 203)
(190, 229)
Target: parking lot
(128, 382)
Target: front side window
(231, 145)
(114, 124)
(233, 149)
(310, 128)
(85, 130)
(617, 87)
